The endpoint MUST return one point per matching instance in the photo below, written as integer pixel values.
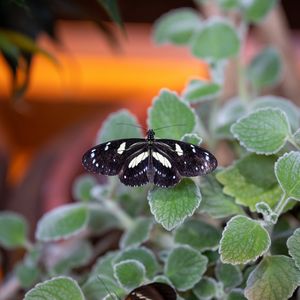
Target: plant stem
(281, 204)
(291, 141)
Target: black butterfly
(152, 291)
(139, 161)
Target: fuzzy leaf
(256, 10)
(176, 27)
(144, 256)
(287, 170)
(214, 202)
(243, 233)
(236, 294)
(293, 244)
(192, 138)
(264, 131)
(275, 278)
(57, 288)
(199, 90)
(185, 267)
(205, 289)
(130, 273)
(62, 222)
(27, 274)
(251, 180)
(82, 187)
(104, 265)
(230, 275)
(13, 230)
(198, 235)
(216, 40)
(114, 127)
(172, 206)
(296, 137)
(168, 110)
(265, 68)
(138, 234)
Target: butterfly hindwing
(189, 160)
(108, 158)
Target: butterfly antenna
(174, 125)
(106, 288)
(132, 125)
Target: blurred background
(77, 66)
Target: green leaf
(185, 267)
(111, 7)
(104, 265)
(205, 289)
(287, 170)
(82, 187)
(243, 233)
(192, 138)
(275, 278)
(230, 275)
(96, 287)
(177, 26)
(130, 273)
(200, 90)
(144, 256)
(236, 294)
(291, 110)
(268, 214)
(251, 180)
(119, 126)
(265, 68)
(293, 244)
(13, 230)
(264, 131)
(198, 235)
(62, 222)
(138, 234)
(57, 288)
(168, 110)
(296, 137)
(172, 206)
(214, 202)
(27, 274)
(229, 4)
(256, 10)
(216, 40)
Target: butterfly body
(140, 161)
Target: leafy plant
(229, 235)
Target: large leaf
(293, 244)
(172, 206)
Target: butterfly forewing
(153, 291)
(189, 160)
(108, 158)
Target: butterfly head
(150, 135)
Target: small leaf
(205, 289)
(82, 187)
(264, 131)
(104, 265)
(56, 289)
(118, 126)
(130, 273)
(185, 267)
(230, 275)
(27, 274)
(144, 256)
(256, 10)
(236, 294)
(275, 278)
(177, 26)
(216, 40)
(287, 170)
(265, 68)
(198, 235)
(291, 110)
(192, 138)
(214, 202)
(243, 233)
(293, 244)
(62, 222)
(172, 206)
(251, 180)
(13, 230)
(138, 234)
(264, 209)
(168, 110)
(199, 91)
(229, 4)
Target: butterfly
(152, 291)
(140, 161)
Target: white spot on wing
(138, 159)
(93, 154)
(178, 150)
(121, 149)
(94, 160)
(163, 160)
